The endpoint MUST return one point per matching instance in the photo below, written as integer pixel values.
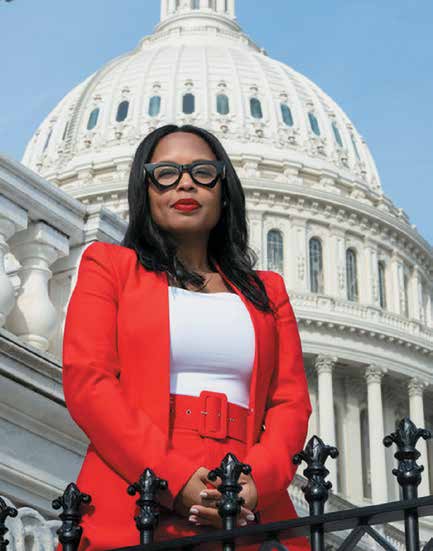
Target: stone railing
(43, 232)
(363, 317)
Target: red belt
(210, 414)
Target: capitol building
(359, 275)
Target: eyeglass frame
(219, 165)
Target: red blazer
(116, 354)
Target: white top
(212, 344)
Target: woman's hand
(203, 511)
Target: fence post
(148, 517)
(5, 511)
(229, 506)
(316, 491)
(70, 501)
(408, 472)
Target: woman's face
(184, 148)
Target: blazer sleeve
(287, 411)
(123, 435)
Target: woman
(176, 351)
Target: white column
(204, 4)
(379, 492)
(369, 285)
(429, 309)
(298, 238)
(397, 285)
(171, 6)
(255, 230)
(164, 9)
(221, 6)
(415, 294)
(231, 6)
(337, 254)
(324, 366)
(416, 413)
(352, 434)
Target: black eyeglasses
(167, 174)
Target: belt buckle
(213, 414)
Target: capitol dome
(198, 67)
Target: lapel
(149, 359)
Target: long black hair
(228, 240)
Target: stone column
(255, 230)
(298, 238)
(324, 366)
(398, 301)
(221, 6)
(204, 4)
(415, 293)
(352, 433)
(231, 8)
(416, 413)
(337, 254)
(164, 9)
(369, 291)
(171, 6)
(379, 491)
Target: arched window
(365, 453)
(406, 294)
(65, 131)
(316, 266)
(275, 251)
(351, 275)
(222, 104)
(314, 123)
(93, 119)
(352, 137)
(286, 114)
(47, 141)
(382, 285)
(188, 103)
(154, 105)
(122, 111)
(195, 4)
(256, 108)
(337, 134)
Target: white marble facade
(315, 209)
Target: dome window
(275, 251)
(188, 103)
(47, 141)
(337, 134)
(93, 119)
(154, 106)
(382, 287)
(314, 123)
(286, 114)
(355, 147)
(316, 265)
(223, 104)
(195, 4)
(65, 131)
(122, 111)
(351, 275)
(256, 108)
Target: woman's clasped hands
(199, 503)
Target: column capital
(325, 363)
(416, 386)
(374, 374)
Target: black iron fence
(358, 521)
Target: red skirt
(109, 525)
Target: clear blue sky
(374, 57)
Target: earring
(224, 203)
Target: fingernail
(243, 522)
(193, 510)
(203, 494)
(192, 518)
(250, 516)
